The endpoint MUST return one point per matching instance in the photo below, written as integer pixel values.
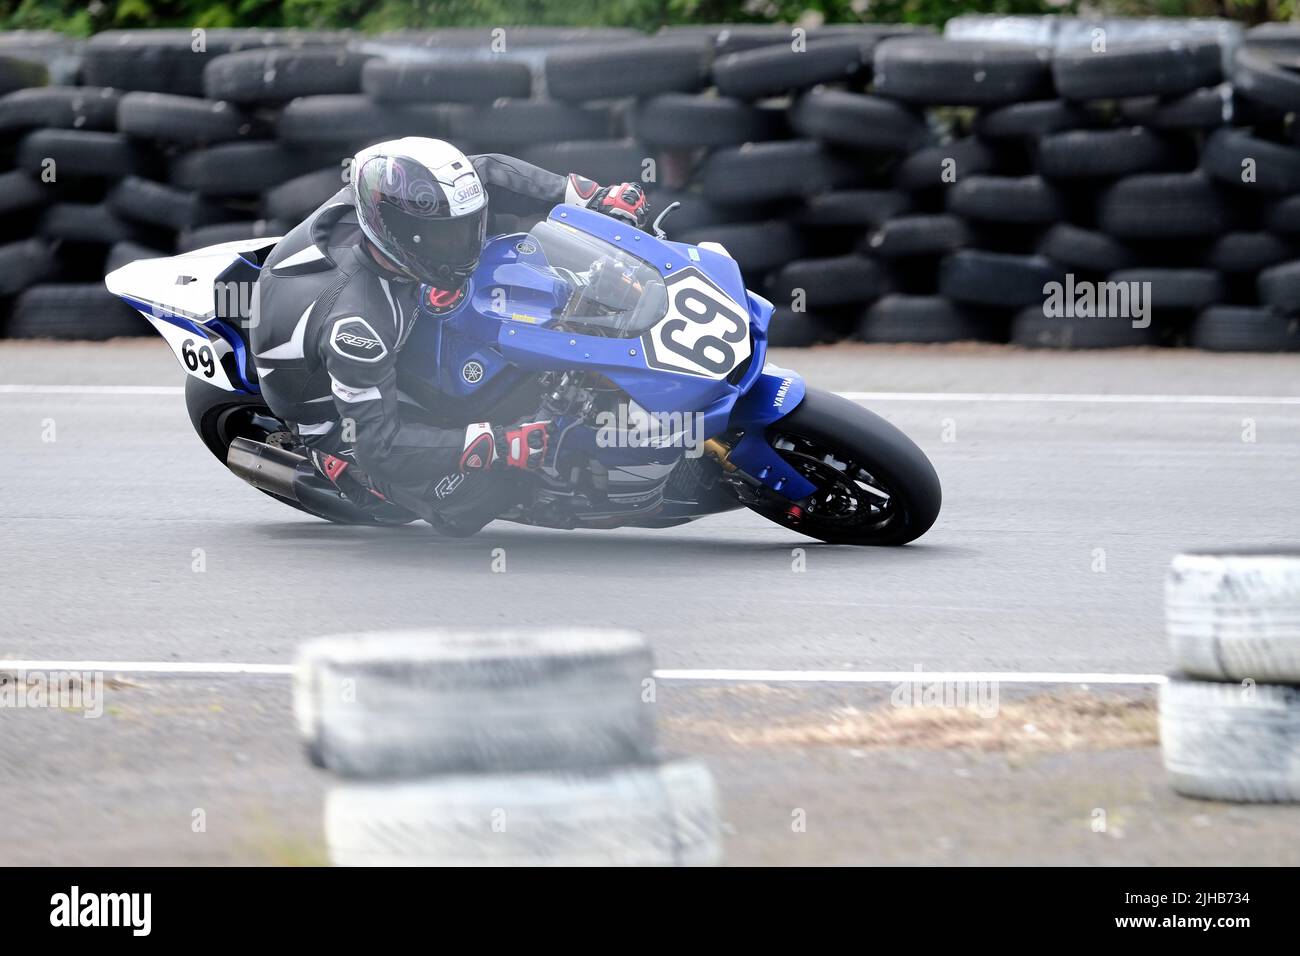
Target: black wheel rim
(849, 495)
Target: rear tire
(219, 417)
(853, 436)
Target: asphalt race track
(1070, 480)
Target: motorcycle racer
(337, 298)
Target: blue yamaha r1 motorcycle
(648, 355)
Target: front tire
(874, 485)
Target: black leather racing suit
(326, 324)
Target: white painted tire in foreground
(1234, 615)
(414, 703)
(654, 815)
(1236, 742)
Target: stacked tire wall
(876, 182)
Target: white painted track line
(721, 675)
(982, 397)
(91, 390)
(1071, 398)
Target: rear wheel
(874, 485)
(219, 417)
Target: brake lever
(658, 230)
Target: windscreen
(610, 289)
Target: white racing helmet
(422, 205)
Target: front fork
(752, 459)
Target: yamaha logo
(525, 247)
(472, 372)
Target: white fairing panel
(181, 287)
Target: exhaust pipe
(265, 467)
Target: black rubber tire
(1248, 252)
(165, 61)
(917, 235)
(932, 71)
(446, 81)
(852, 207)
(925, 319)
(1149, 68)
(1283, 216)
(1032, 329)
(761, 172)
(76, 153)
(204, 236)
(294, 200)
(881, 447)
(869, 123)
(189, 120)
(353, 120)
(1030, 120)
(274, 75)
(604, 160)
(729, 38)
(926, 168)
(1258, 78)
(695, 212)
(691, 120)
(977, 277)
(1236, 328)
(84, 311)
(124, 253)
(87, 222)
(1103, 154)
(779, 68)
(1164, 206)
(20, 191)
(241, 169)
(1276, 166)
(790, 329)
(17, 73)
(511, 123)
(157, 204)
(1086, 250)
(1024, 200)
(61, 107)
(758, 247)
(830, 282)
(1193, 289)
(25, 263)
(639, 68)
(1198, 110)
(1279, 287)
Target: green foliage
(81, 18)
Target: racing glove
(624, 201)
(517, 446)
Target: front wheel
(874, 485)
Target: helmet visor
(408, 214)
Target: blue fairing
(515, 298)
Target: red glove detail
(625, 201)
(519, 446)
(525, 445)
